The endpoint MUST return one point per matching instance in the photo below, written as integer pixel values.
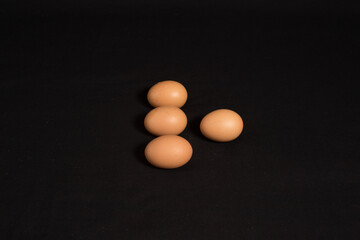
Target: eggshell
(167, 93)
(169, 151)
(222, 125)
(165, 121)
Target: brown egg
(169, 151)
(222, 125)
(165, 121)
(167, 93)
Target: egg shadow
(138, 121)
(138, 124)
(140, 155)
(194, 127)
(142, 97)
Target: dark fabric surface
(73, 98)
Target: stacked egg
(167, 121)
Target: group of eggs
(167, 121)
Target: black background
(73, 97)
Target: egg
(165, 121)
(222, 125)
(167, 93)
(169, 151)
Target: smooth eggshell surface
(167, 93)
(222, 125)
(165, 121)
(169, 151)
